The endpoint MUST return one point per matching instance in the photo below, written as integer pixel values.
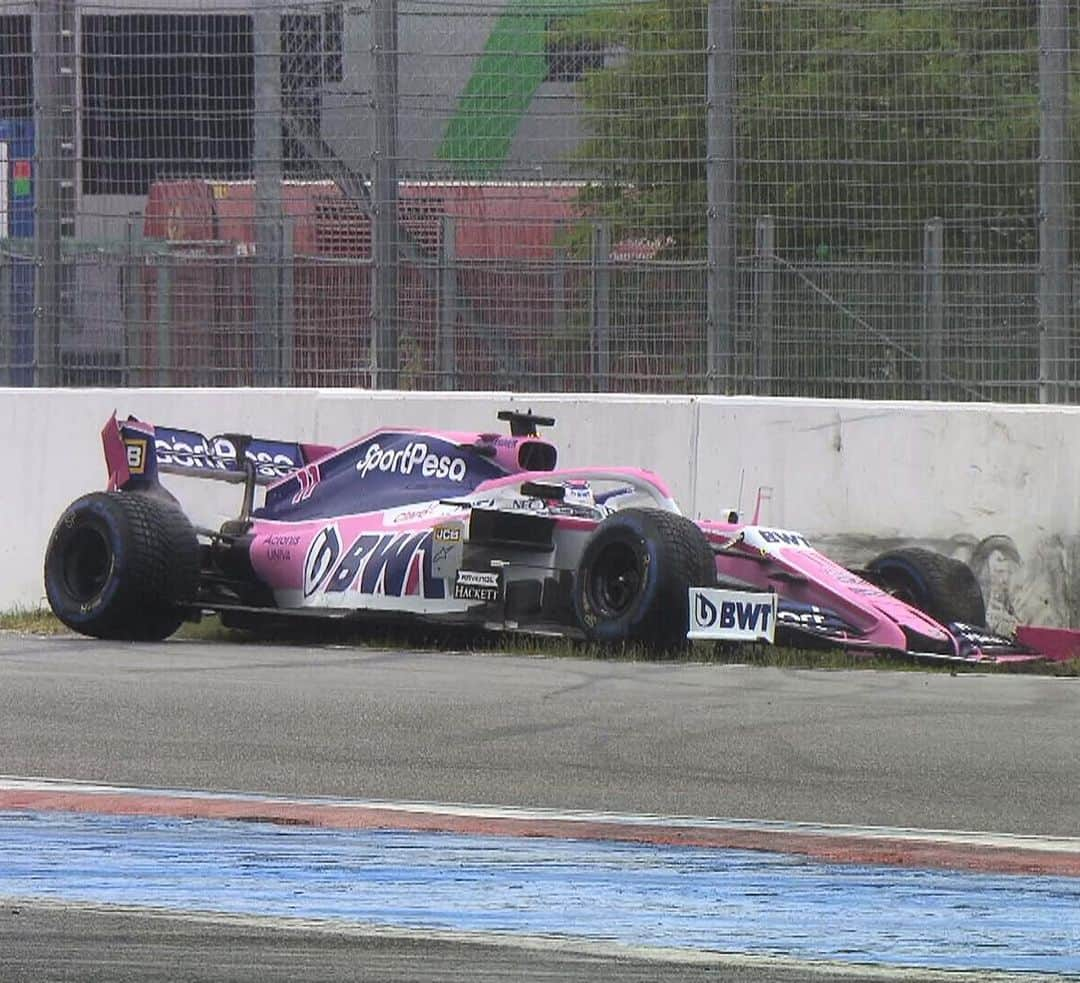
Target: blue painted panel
(714, 900)
(19, 136)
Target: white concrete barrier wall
(993, 485)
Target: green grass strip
(306, 631)
(31, 621)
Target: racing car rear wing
(136, 452)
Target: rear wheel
(943, 588)
(122, 565)
(633, 580)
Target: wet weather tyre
(121, 565)
(943, 588)
(634, 575)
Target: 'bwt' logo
(321, 556)
(780, 536)
(744, 615)
(705, 615)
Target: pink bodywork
(880, 616)
(756, 556)
(116, 453)
(288, 574)
(1055, 644)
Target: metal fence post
(132, 301)
(384, 308)
(48, 99)
(164, 321)
(560, 320)
(268, 152)
(601, 307)
(764, 296)
(288, 301)
(558, 291)
(445, 342)
(7, 340)
(1053, 198)
(720, 190)
(933, 303)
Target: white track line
(1017, 841)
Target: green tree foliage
(856, 122)
(646, 117)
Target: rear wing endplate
(136, 452)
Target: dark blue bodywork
(386, 469)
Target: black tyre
(943, 588)
(122, 565)
(632, 582)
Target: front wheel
(121, 565)
(940, 586)
(634, 577)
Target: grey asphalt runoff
(47, 943)
(968, 752)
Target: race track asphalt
(60, 944)
(939, 751)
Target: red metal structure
(510, 292)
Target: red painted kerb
(823, 844)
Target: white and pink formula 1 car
(477, 529)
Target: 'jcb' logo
(136, 456)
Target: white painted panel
(3, 190)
